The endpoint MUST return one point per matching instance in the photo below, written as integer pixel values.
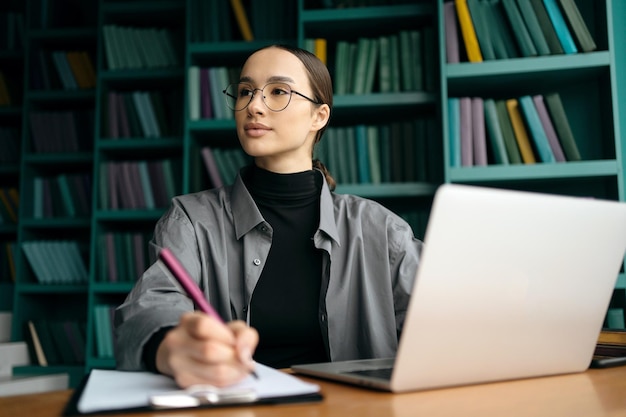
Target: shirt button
(257, 262)
(323, 318)
(264, 228)
(245, 310)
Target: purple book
(479, 134)
(211, 167)
(467, 145)
(112, 262)
(452, 34)
(548, 127)
(206, 112)
(124, 129)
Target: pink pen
(190, 287)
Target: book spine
(468, 31)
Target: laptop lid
(511, 285)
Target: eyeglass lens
(276, 96)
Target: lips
(256, 129)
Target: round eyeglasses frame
(262, 89)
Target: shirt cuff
(151, 347)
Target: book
(548, 127)
(535, 128)
(453, 54)
(520, 31)
(492, 121)
(468, 31)
(502, 39)
(578, 26)
(546, 27)
(560, 26)
(612, 337)
(454, 131)
(211, 167)
(483, 29)
(39, 356)
(534, 28)
(479, 135)
(562, 126)
(466, 131)
(242, 20)
(521, 134)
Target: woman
(300, 274)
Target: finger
(202, 326)
(247, 339)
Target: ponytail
(332, 184)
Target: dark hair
(322, 89)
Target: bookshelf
(11, 95)
(590, 88)
(56, 157)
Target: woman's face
(281, 141)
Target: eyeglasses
(276, 96)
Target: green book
(374, 154)
(519, 29)
(577, 25)
(501, 35)
(361, 64)
(406, 70)
(508, 135)
(342, 67)
(483, 29)
(495, 132)
(546, 27)
(372, 64)
(562, 126)
(534, 29)
(384, 65)
(394, 53)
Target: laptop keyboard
(382, 373)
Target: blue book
(363, 154)
(540, 139)
(454, 131)
(560, 26)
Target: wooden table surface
(588, 394)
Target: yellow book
(468, 31)
(521, 134)
(242, 20)
(320, 49)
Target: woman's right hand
(202, 350)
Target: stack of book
(61, 131)
(63, 195)
(137, 184)
(387, 64)
(138, 114)
(56, 261)
(123, 256)
(223, 164)
(73, 70)
(519, 130)
(56, 342)
(138, 48)
(482, 30)
(611, 344)
(206, 100)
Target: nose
(256, 104)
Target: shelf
(7, 229)
(10, 111)
(31, 288)
(388, 190)
(75, 158)
(56, 223)
(112, 287)
(129, 215)
(524, 73)
(539, 171)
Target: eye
(279, 90)
(245, 91)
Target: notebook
(511, 284)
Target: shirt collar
(247, 216)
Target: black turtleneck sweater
(285, 302)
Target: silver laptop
(511, 285)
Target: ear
(321, 117)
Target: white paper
(116, 390)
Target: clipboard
(105, 391)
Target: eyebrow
(272, 79)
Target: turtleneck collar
(270, 187)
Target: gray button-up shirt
(370, 259)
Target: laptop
(511, 284)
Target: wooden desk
(589, 394)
